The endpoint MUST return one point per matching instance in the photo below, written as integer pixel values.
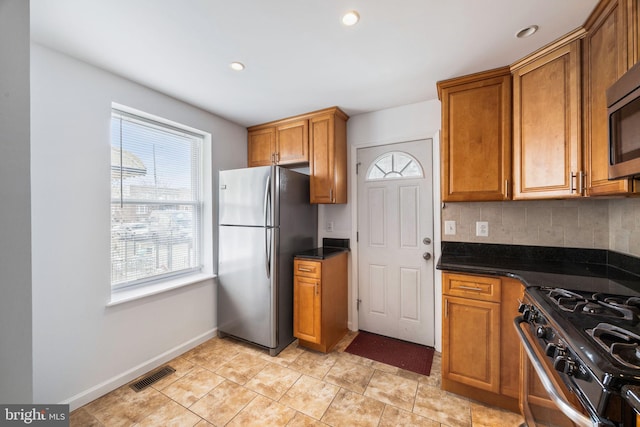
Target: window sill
(127, 295)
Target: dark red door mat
(402, 354)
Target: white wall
(406, 123)
(15, 208)
(81, 348)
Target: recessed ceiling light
(350, 18)
(527, 31)
(237, 66)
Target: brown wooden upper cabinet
(476, 136)
(547, 144)
(558, 121)
(317, 139)
(609, 49)
(328, 162)
(283, 144)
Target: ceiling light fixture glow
(350, 18)
(527, 31)
(237, 66)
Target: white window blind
(156, 201)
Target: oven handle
(576, 416)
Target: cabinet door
(546, 128)
(307, 316)
(471, 342)
(328, 158)
(476, 136)
(292, 143)
(605, 59)
(261, 146)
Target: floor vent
(152, 378)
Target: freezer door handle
(267, 240)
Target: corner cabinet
(320, 301)
(317, 139)
(476, 136)
(610, 48)
(480, 348)
(547, 144)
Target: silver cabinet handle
(308, 270)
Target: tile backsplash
(585, 223)
(624, 226)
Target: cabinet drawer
(307, 268)
(475, 287)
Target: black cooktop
(603, 328)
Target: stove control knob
(554, 350)
(529, 313)
(564, 364)
(522, 307)
(551, 350)
(542, 332)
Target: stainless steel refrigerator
(264, 218)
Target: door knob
(426, 241)
(426, 256)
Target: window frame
(203, 268)
(387, 175)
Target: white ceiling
(298, 55)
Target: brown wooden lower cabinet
(480, 347)
(320, 301)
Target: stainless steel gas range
(583, 347)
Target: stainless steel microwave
(623, 108)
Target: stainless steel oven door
(545, 399)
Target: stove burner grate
(620, 343)
(626, 308)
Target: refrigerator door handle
(267, 239)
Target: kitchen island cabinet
(320, 301)
(547, 143)
(476, 136)
(480, 348)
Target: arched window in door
(394, 165)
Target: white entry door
(395, 229)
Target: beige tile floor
(223, 382)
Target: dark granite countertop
(321, 253)
(330, 247)
(571, 268)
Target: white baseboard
(111, 384)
